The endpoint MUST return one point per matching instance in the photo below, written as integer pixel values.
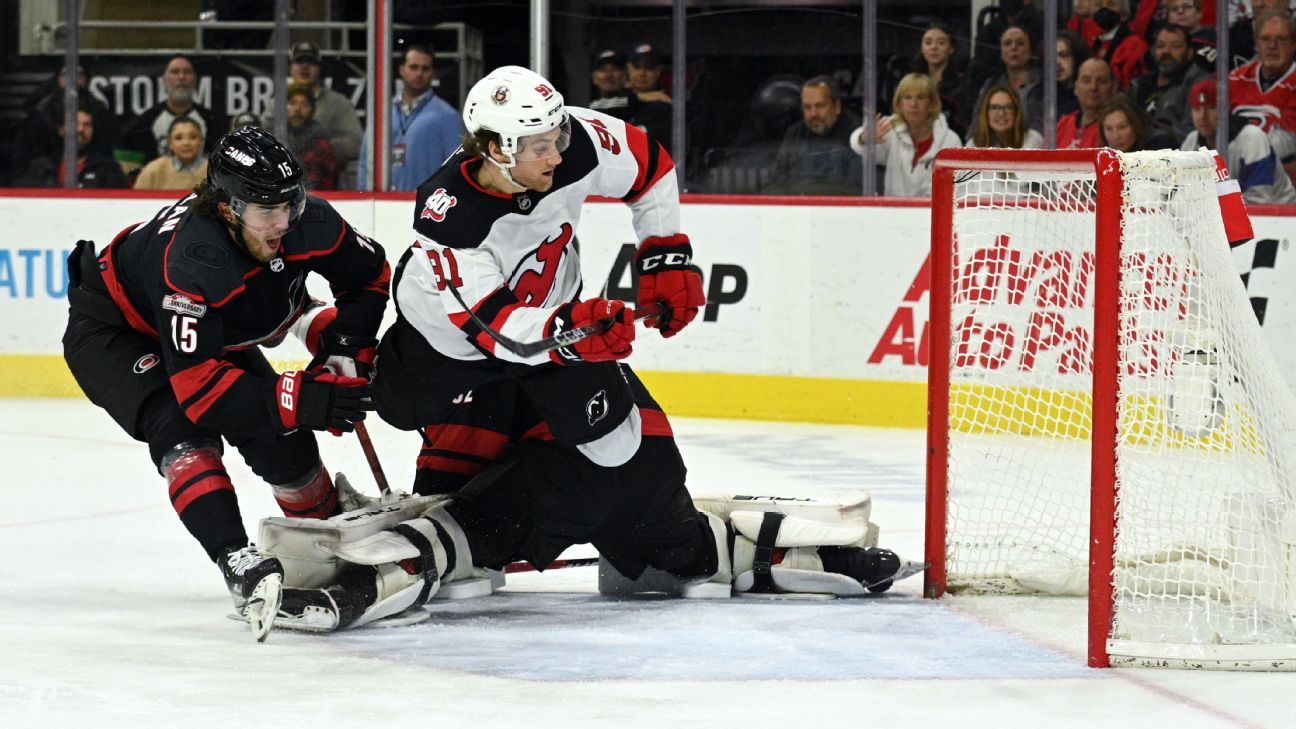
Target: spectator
(1072, 51)
(424, 129)
(939, 58)
(147, 134)
(334, 113)
(1094, 88)
(815, 156)
(1082, 22)
(653, 112)
(1201, 40)
(1163, 94)
(1264, 91)
(1251, 159)
(910, 138)
(1019, 72)
(610, 93)
(1126, 128)
(38, 134)
(1120, 47)
(1001, 122)
(93, 169)
(183, 166)
(308, 141)
(1242, 34)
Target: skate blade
(263, 606)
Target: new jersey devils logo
(534, 277)
(438, 205)
(597, 407)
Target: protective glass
(269, 220)
(535, 147)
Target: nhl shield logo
(524, 203)
(276, 264)
(597, 407)
(436, 206)
(500, 95)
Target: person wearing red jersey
(1094, 87)
(1264, 91)
(536, 452)
(164, 328)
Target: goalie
(381, 564)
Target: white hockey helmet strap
(514, 102)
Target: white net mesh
(1206, 522)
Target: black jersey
(181, 279)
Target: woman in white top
(909, 139)
(1001, 122)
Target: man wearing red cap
(1251, 159)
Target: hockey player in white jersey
(536, 452)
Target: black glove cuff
(658, 258)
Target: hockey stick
(561, 339)
(371, 455)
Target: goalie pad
(308, 548)
(798, 527)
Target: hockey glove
(345, 355)
(614, 340)
(321, 401)
(666, 280)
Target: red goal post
(1095, 423)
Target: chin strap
(504, 168)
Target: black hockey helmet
(252, 167)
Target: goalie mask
(261, 177)
(524, 109)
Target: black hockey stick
(561, 339)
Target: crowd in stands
(1131, 75)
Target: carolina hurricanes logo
(438, 205)
(534, 277)
(146, 363)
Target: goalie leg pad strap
(308, 548)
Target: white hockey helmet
(516, 102)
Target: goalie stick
(562, 339)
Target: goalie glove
(615, 341)
(666, 280)
(320, 401)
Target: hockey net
(1104, 417)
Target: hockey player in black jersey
(164, 328)
(539, 452)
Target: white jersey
(1253, 162)
(511, 258)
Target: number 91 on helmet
(524, 109)
(261, 178)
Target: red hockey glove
(665, 279)
(321, 401)
(614, 341)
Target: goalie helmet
(252, 167)
(515, 102)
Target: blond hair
(916, 83)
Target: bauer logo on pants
(597, 407)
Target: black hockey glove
(321, 401)
(345, 355)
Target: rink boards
(818, 306)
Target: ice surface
(111, 616)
